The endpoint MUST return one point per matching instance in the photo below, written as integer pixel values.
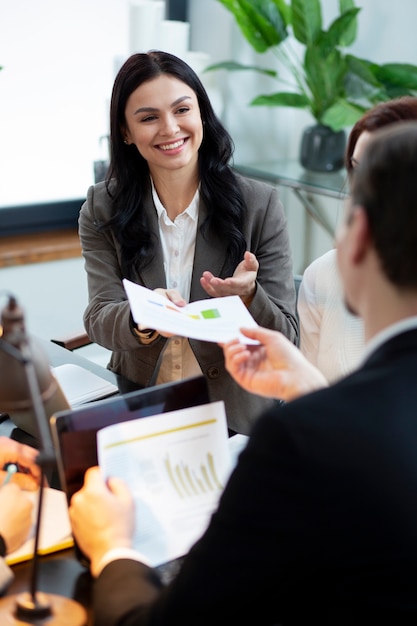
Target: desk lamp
(27, 384)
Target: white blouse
(330, 337)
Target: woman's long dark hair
(128, 174)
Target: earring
(126, 142)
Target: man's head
(380, 233)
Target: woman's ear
(360, 239)
(126, 135)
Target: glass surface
(293, 174)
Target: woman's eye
(183, 110)
(148, 118)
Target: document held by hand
(176, 465)
(213, 319)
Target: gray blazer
(107, 317)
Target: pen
(11, 469)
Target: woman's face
(163, 120)
(359, 148)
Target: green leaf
(341, 114)
(284, 99)
(340, 27)
(306, 20)
(352, 32)
(234, 66)
(363, 68)
(260, 21)
(361, 84)
(324, 76)
(400, 75)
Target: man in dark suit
(318, 522)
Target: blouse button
(213, 372)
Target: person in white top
(331, 337)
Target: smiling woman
(173, 216)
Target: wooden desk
(39, 247)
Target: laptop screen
(74, 430)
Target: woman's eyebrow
(154, 109)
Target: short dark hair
(383, 114)
(385, 185)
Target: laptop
(74, 430)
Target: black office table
(59, 574)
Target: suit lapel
(208, 255)
(153, 275)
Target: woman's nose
(169, 126)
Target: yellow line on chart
(168, 431)
(172, 477)
(206, 477)
(210, 459)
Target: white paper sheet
(213, 319)
(176, 465)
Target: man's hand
(102, 515)
(276, 368)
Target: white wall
(59, 59)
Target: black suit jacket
(318, 523)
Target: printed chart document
(176, 465)
(55, 533)
(214, 319)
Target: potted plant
(335, 87)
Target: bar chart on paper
(176, 465)
(188, 482)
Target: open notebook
(80, 385)
(55, 532)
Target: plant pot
(322, 149)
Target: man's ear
(359, 234)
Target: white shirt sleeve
(116, 554)
(310, 315)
